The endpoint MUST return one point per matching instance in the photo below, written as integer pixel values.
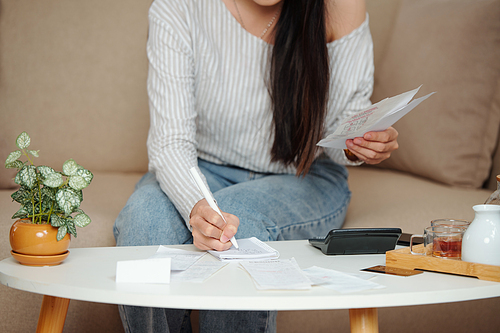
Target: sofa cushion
(384, 198)
(451, 47)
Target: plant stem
(50, 212)
(28, 156)
(32, 207)
(39, 194)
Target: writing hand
(210, 232)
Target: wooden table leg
(52, 314)
(364, 320)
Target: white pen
(208, 196)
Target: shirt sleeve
(172, 146)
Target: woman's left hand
(374, 147)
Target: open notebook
(250, 249)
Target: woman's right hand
(210, 232)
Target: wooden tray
(402, 258)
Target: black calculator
(358, 241)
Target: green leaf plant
(46, 195)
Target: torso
(233, 118)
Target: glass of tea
(441, 241)
(450, 223)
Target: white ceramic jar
(481, 241)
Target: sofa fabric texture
(73, 75)
(452, 137)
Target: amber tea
(447, 247)
(441, 241)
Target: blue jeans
(270, 207)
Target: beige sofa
(73, 73)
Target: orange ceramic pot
(37, 239)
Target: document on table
(339, 281)
(377, 117)
(181, 259)
(249, 249)
(277, 274)
(198, 272)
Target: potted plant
(49, 206)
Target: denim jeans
(270, 207)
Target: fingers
(231, 227)
(206, 243)
(210, 231)
(374, 147)
(206, 219)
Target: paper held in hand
(378, 117)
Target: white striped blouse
(208, 97)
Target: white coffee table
(88, 274)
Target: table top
(88, 274)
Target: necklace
(268, 25)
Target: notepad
(250, 249)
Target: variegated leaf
(70, 167)
(21, 213)
(22, 195)
(15, 165)
(86, 174)
(53, 180)
(26, 176)
(82, 220)
(23, 140)
(71, 227)
(45, 170)
(57, 221)
(77, 182)
(48, 194)
(34, 152)
(67, 200)
(61, 232)
(12, 157)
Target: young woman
(243, 90)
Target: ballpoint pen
(208, 196)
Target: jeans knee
(149, 218)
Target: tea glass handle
(411, 245)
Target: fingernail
(223, 238)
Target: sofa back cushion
(73, 75)
(452, 47)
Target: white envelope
(143, 271)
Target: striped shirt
(208, 97)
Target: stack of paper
(249, 249)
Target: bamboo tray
(402, 258)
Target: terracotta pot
(37, 239)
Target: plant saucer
(30, 260)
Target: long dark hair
(299, 81)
